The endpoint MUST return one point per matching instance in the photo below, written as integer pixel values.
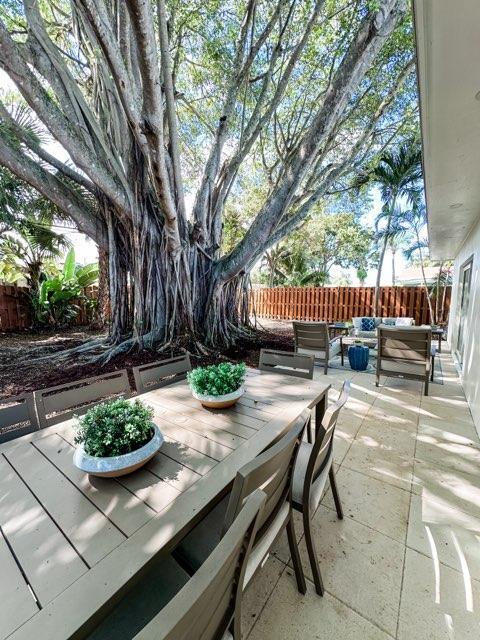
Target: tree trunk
(102, 310)
(394, 278)
(422, 266)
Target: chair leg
(433, 368)
(325, 368)
(296, 561)
(312, 555)
(336, 496)
(426, 386)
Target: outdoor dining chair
(17, 417)
(290, 364)
(60, 403)
(286, 362)
(161, 373)
(168, 604)
(314, 465)
(405, 352)
(313, 338)
(271, 471)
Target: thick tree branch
(66, 199)
(13, 62)
(373, 31)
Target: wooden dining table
(71, 545)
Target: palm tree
(416, 219)
(397, 175)
(27, 245)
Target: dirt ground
(24, 368)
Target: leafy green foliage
(56, 301)
(217, 379)
(115, 428)
(308, 255)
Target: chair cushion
(143, 601)
(415, 369)
(197, 545)
(404, 322)
(368, 324)
(389, 322)
(318, 485)
(365, 334)
(316, 353)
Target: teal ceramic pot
(358, 357)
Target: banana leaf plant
(59, 297)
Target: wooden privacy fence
(333, 304)
(15, 312)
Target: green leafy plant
(56, 304)
(115, 428)
(217, 379)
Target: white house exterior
(448, 56)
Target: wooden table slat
(148, 487)
(189, 458)
(183, 400)
(16, 600)
(194, 440)
(125, 510)
(184, 415)
(172, 472)
(35, 540)
(88, 530)
(166, 416)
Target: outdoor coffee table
(438, 333)
(368, 342)
(70, 543)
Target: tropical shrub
(57, 301)
(115, 428)
(217, 379)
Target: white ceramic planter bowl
(219, 402)
(116, 466)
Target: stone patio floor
(404, 563)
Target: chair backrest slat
(311, 335)
(17, 417)
(204, 608)
(324, 440)
(60, 403)
(271, 471)
(288, 363)
(161, 373)
(411, 345)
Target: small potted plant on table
(116, 438)
(218, 386)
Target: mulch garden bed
(21, 370)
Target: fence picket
(341, 303)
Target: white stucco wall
(471, 358)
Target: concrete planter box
(220, 402)
(115, 466)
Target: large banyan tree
(168, 108)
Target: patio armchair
(17, 417)
(168, 604)
(155, 375)
(312, 338)
(60, 403)
(271, 471)
(286, 362)
(405, 352)
(314, 465)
